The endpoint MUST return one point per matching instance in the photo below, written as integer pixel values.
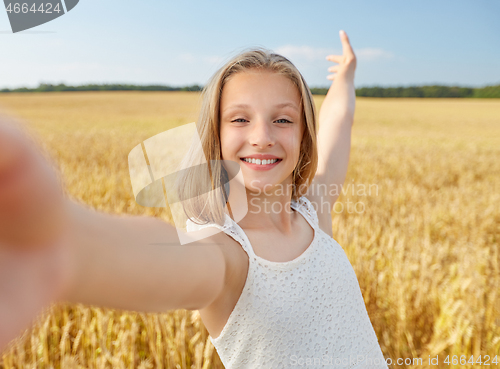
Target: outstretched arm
(53, 249)
(137, 263)
(334, 136)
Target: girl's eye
(243, 120)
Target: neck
(268, 210)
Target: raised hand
(33, 254)
(336, 117)
(340, 99)
(346, 61)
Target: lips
(277, 160)
(260, 156)
(261, 165)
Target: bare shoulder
(234, 255)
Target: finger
(331, 77)
(335, 68)
(335, 58)
(346, 45)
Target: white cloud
(310, 53)
(187, 57)
(370, 54)
(303, 56)
(304, 52)
(213, 59)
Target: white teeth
(260, 162)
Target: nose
(261, 135)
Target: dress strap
(306, 208)
(231, 228)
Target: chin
(261, 187)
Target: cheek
(223, 142)
(295, 148)
(226, 145)
(229, 143)
(292, 142)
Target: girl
(274, 290)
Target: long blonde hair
(198, 205)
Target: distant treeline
(47, 87)
(423, 91)
(412, 91)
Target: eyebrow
(282, 105)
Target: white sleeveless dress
(307, 312)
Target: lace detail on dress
(305, 206)
(305, 313)
(228, 228)
(232, 229)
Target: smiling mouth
(261, 162)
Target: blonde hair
(208, 126)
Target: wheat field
(424, 241)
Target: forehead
(256, 87)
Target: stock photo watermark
(321, 197)
(28, 14)
(327, 360)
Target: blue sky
(397, 43)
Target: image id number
(485, 360)
(24, 8)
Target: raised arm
(54, 249)
(334, 136)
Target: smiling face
(261, 118)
